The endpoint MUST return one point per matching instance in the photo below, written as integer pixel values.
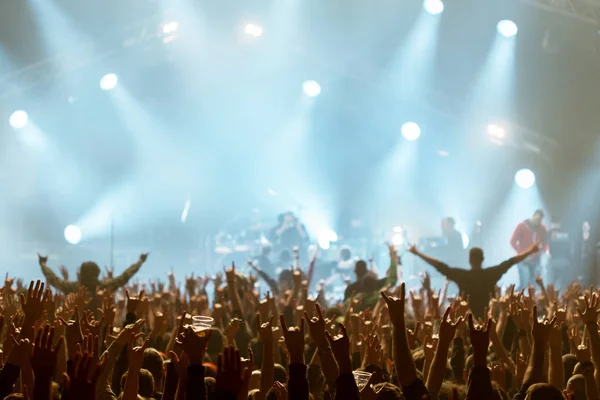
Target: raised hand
(541, 330)
(448, 327)
(73, 333)
(413, 335)
(144, 257)
(45, 355)
(90, 325)
(480, 340)
(230, 377)
(340, 346)
(108, 310)
(133, 302)
(34, 305)
(230, 274)
(316, 326)
(294, 340)
(64, 272)
(194, 345)
(589, 315)
(42, 259)
(135, 354)
(265, 330)
(396, 307)
(81, 384)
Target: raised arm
(441, 267)
(438, 367)
(122, 279)
(412, 387)
(53, 280)
(506, 265)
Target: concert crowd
(102, 336)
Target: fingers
(127, 294)
(283, 324)
(470, 321)
(343, 329)
(446, 315)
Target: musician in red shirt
(528, 232)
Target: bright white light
(433, 7)
(465, 240)
(496, 131)
(170, 27)
(507, 28)
(186, 210)
(324, 243)
(18, 119)
(73, 234)
(253, 29)
(109, 82)
(311, 88)
(525, 178)
(326, 237)
(411, 131)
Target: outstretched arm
(441, 267)
(122, 279)
(54, 281)
(506, 265)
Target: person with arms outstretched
(88, 277)
(478, 282)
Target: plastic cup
(201, 325)
(361, 378)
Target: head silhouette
(476, 257)
(88, 274)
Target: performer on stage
(528, 232)
(453, 251)
(289, 232)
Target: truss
(587, 11)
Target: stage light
(325, 238)
(496, 131)
(170, 27)
(525, 178)
(18, 119)
(465, 240)
(411, 131)
(73, 234)
(109, 82)
(507, 28)
(311, 88)
(253, 29)
(433, 7)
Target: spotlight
(507, 28)
(73, 234)
(311, 88)
(253, 29)
(525, 178)
(18, 119)
(495, 131)
(411, 131)
(433, 7)
(170, 27)
(325, 238)
(109, 82)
